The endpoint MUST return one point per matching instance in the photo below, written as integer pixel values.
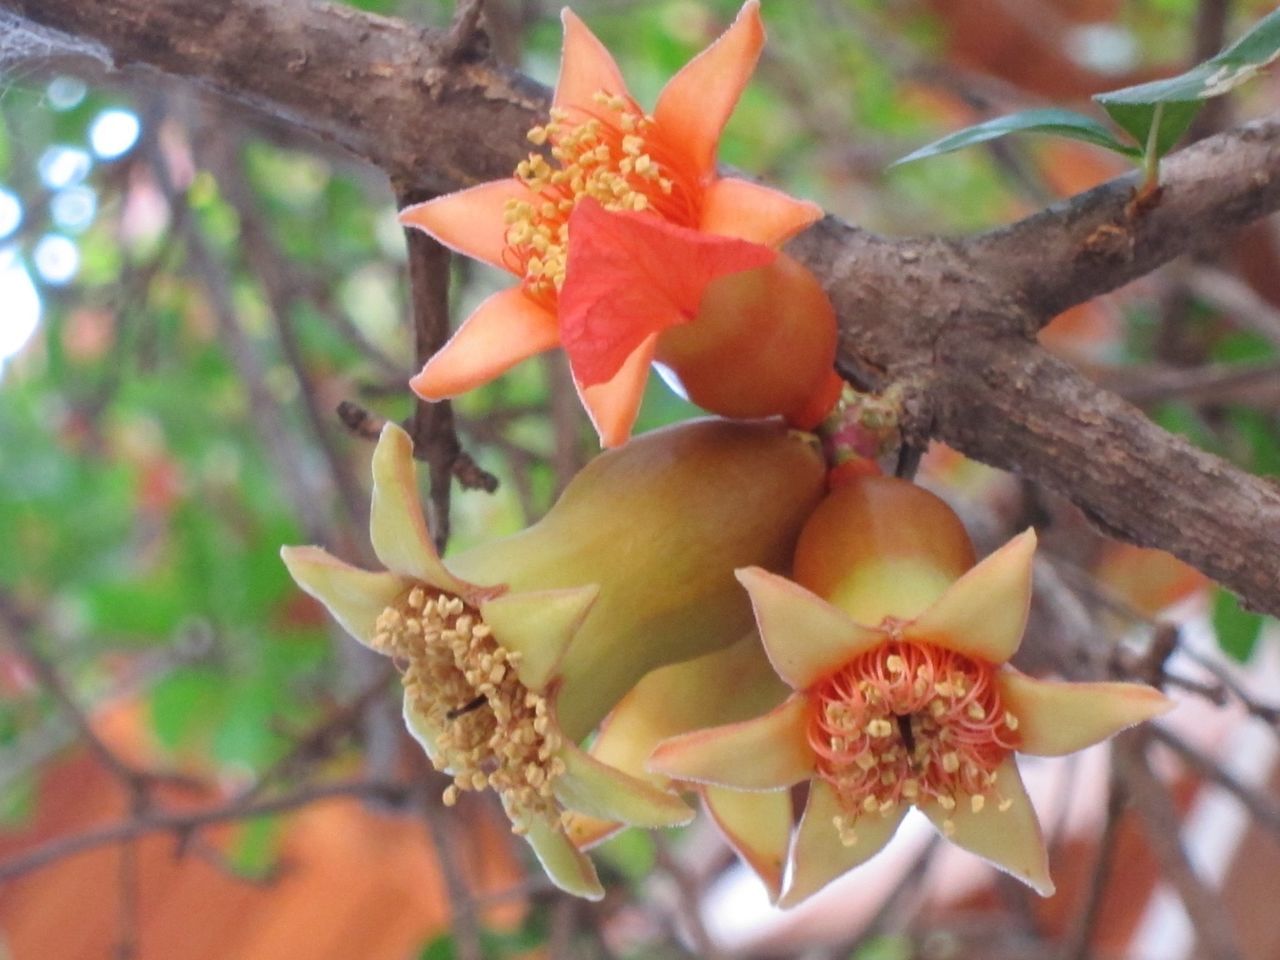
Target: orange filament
(909, 722)
(618, 157)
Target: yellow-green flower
(513, 652)
(915, 708)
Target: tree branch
(949, 320)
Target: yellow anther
(977, 802)
(976, 711)
(896, 664)
(1010, 720)
(951, 762)
(1004, 805)
(946, 802)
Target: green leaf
(1134, 108)
(1237, 629)
(1220, 74)
(1060, 123)
(1137, 118)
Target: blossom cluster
(578, 668)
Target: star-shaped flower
(922, 712)
(618, 236)
(514, 655)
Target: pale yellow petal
(591, 787)
(819, 856)
(567, 867)
(539, 626)
(757, 824)
(805, 637)
(766, 753)
(1008, 839)
(396, 524)
(984, 613)
(353, 596)
(1060, 718)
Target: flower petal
(506, 328)
(806, 637)
(585, 832)
(1055, 719)
(586, 67)
(631, 275)
(613, 406)
(539, 625)
(818, 856)
(598, 790)
(766, 753)
(758, 827)
(739, 208)
(696, 103)
(1009, 840)
(396, 524)
(353, 596)
(470, 221)
(984, 613)
(568, 868)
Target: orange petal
(766, 753)
(739, 208)
(818, 856)
(469, 221)
(1055, 719)
(354, 597)
(757, 826)
(806, 637)
(984, 613)
(505, 329)
(586, 67)
(631, 275)
(613, 406)
(695, 104)
(1009, 840)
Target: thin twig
(182, 824)
(1261, 807)
(1152, 801)
(1080, 937)
(462, 905)
(689, 899)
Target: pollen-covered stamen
(491, 731)
(618, 157)
(909, 722)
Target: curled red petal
(632, 275)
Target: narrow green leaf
(1060, 123)
(1237, 629)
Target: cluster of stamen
(615, 156)
(490, 730)
(907, 723)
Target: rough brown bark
(953, 321)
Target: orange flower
(652, 223)
(914, 705)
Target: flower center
(616, 156)
(490, 730)
(908, 722)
